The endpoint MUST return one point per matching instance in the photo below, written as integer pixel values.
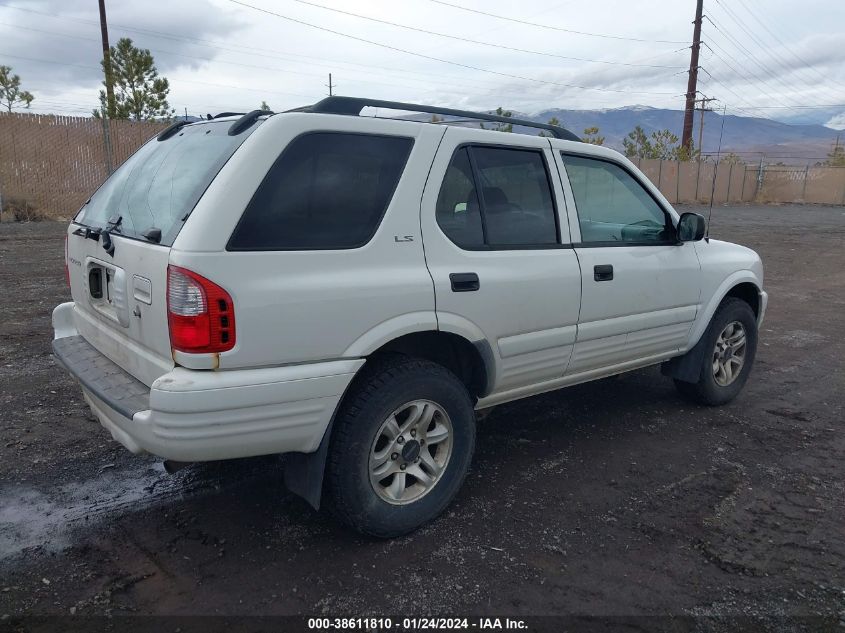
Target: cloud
(219, 55)
(837, 122)
(55, 54)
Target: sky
(761, 57)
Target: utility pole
(104, 33)
(109, 106)
(703, 101)
(330, 85)
(692, 83)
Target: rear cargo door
(119, 244)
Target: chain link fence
(50, 165)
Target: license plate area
(106, 290)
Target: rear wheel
(401, 447)
(730, 344)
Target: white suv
(349, 289)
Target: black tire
(385, 386)
(707, 391)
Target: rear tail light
(200, 314)
(67, 269)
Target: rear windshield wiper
(105, 234)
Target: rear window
(159, 185)
(327, 190)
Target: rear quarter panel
(303, 306)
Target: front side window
(497, 197)
(327, 190)
(612, 206)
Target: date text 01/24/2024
(415, 624)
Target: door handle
(603, 272)
(464, 282)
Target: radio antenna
(715, 171)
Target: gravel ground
(611, 498)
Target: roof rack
(354, 105)
(246, 120)
(171, 129)
(222, 115)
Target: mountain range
(749, 137)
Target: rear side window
(159, 185)
(327, 190)
(495, 197)
(458, 211)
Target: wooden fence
(692, 181)
(53, 164)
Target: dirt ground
(611, 498)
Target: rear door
(640, 286)
(120, 293)
(497, 247)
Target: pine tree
(139, 93)
(11, 94)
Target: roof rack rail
(354, 105)
(246, 120)
(223, 114)
(171, 129)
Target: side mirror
(691, 227)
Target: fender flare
(703, 319)
(688, 367)
(463, 327)
(389, 330)
(304, 472)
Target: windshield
(159, 185)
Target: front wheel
(401, 447)
(730, 344)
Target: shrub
(22, 211)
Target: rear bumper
(189, 415)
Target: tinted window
(516, 196)
(161, 182)
(458, 212)
(612, 206)
(327, 190)
(497, 197)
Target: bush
(22, 211)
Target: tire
(364, 445)
(711, 389)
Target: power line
(723, 31)
(786, 47)
(213, 44)
(738, 73)
(466, 40)
(556, 28)
(754, 38)
(189, 81)
(439, 59)
(208, 59)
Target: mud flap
(688, 367)
(304, 471)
